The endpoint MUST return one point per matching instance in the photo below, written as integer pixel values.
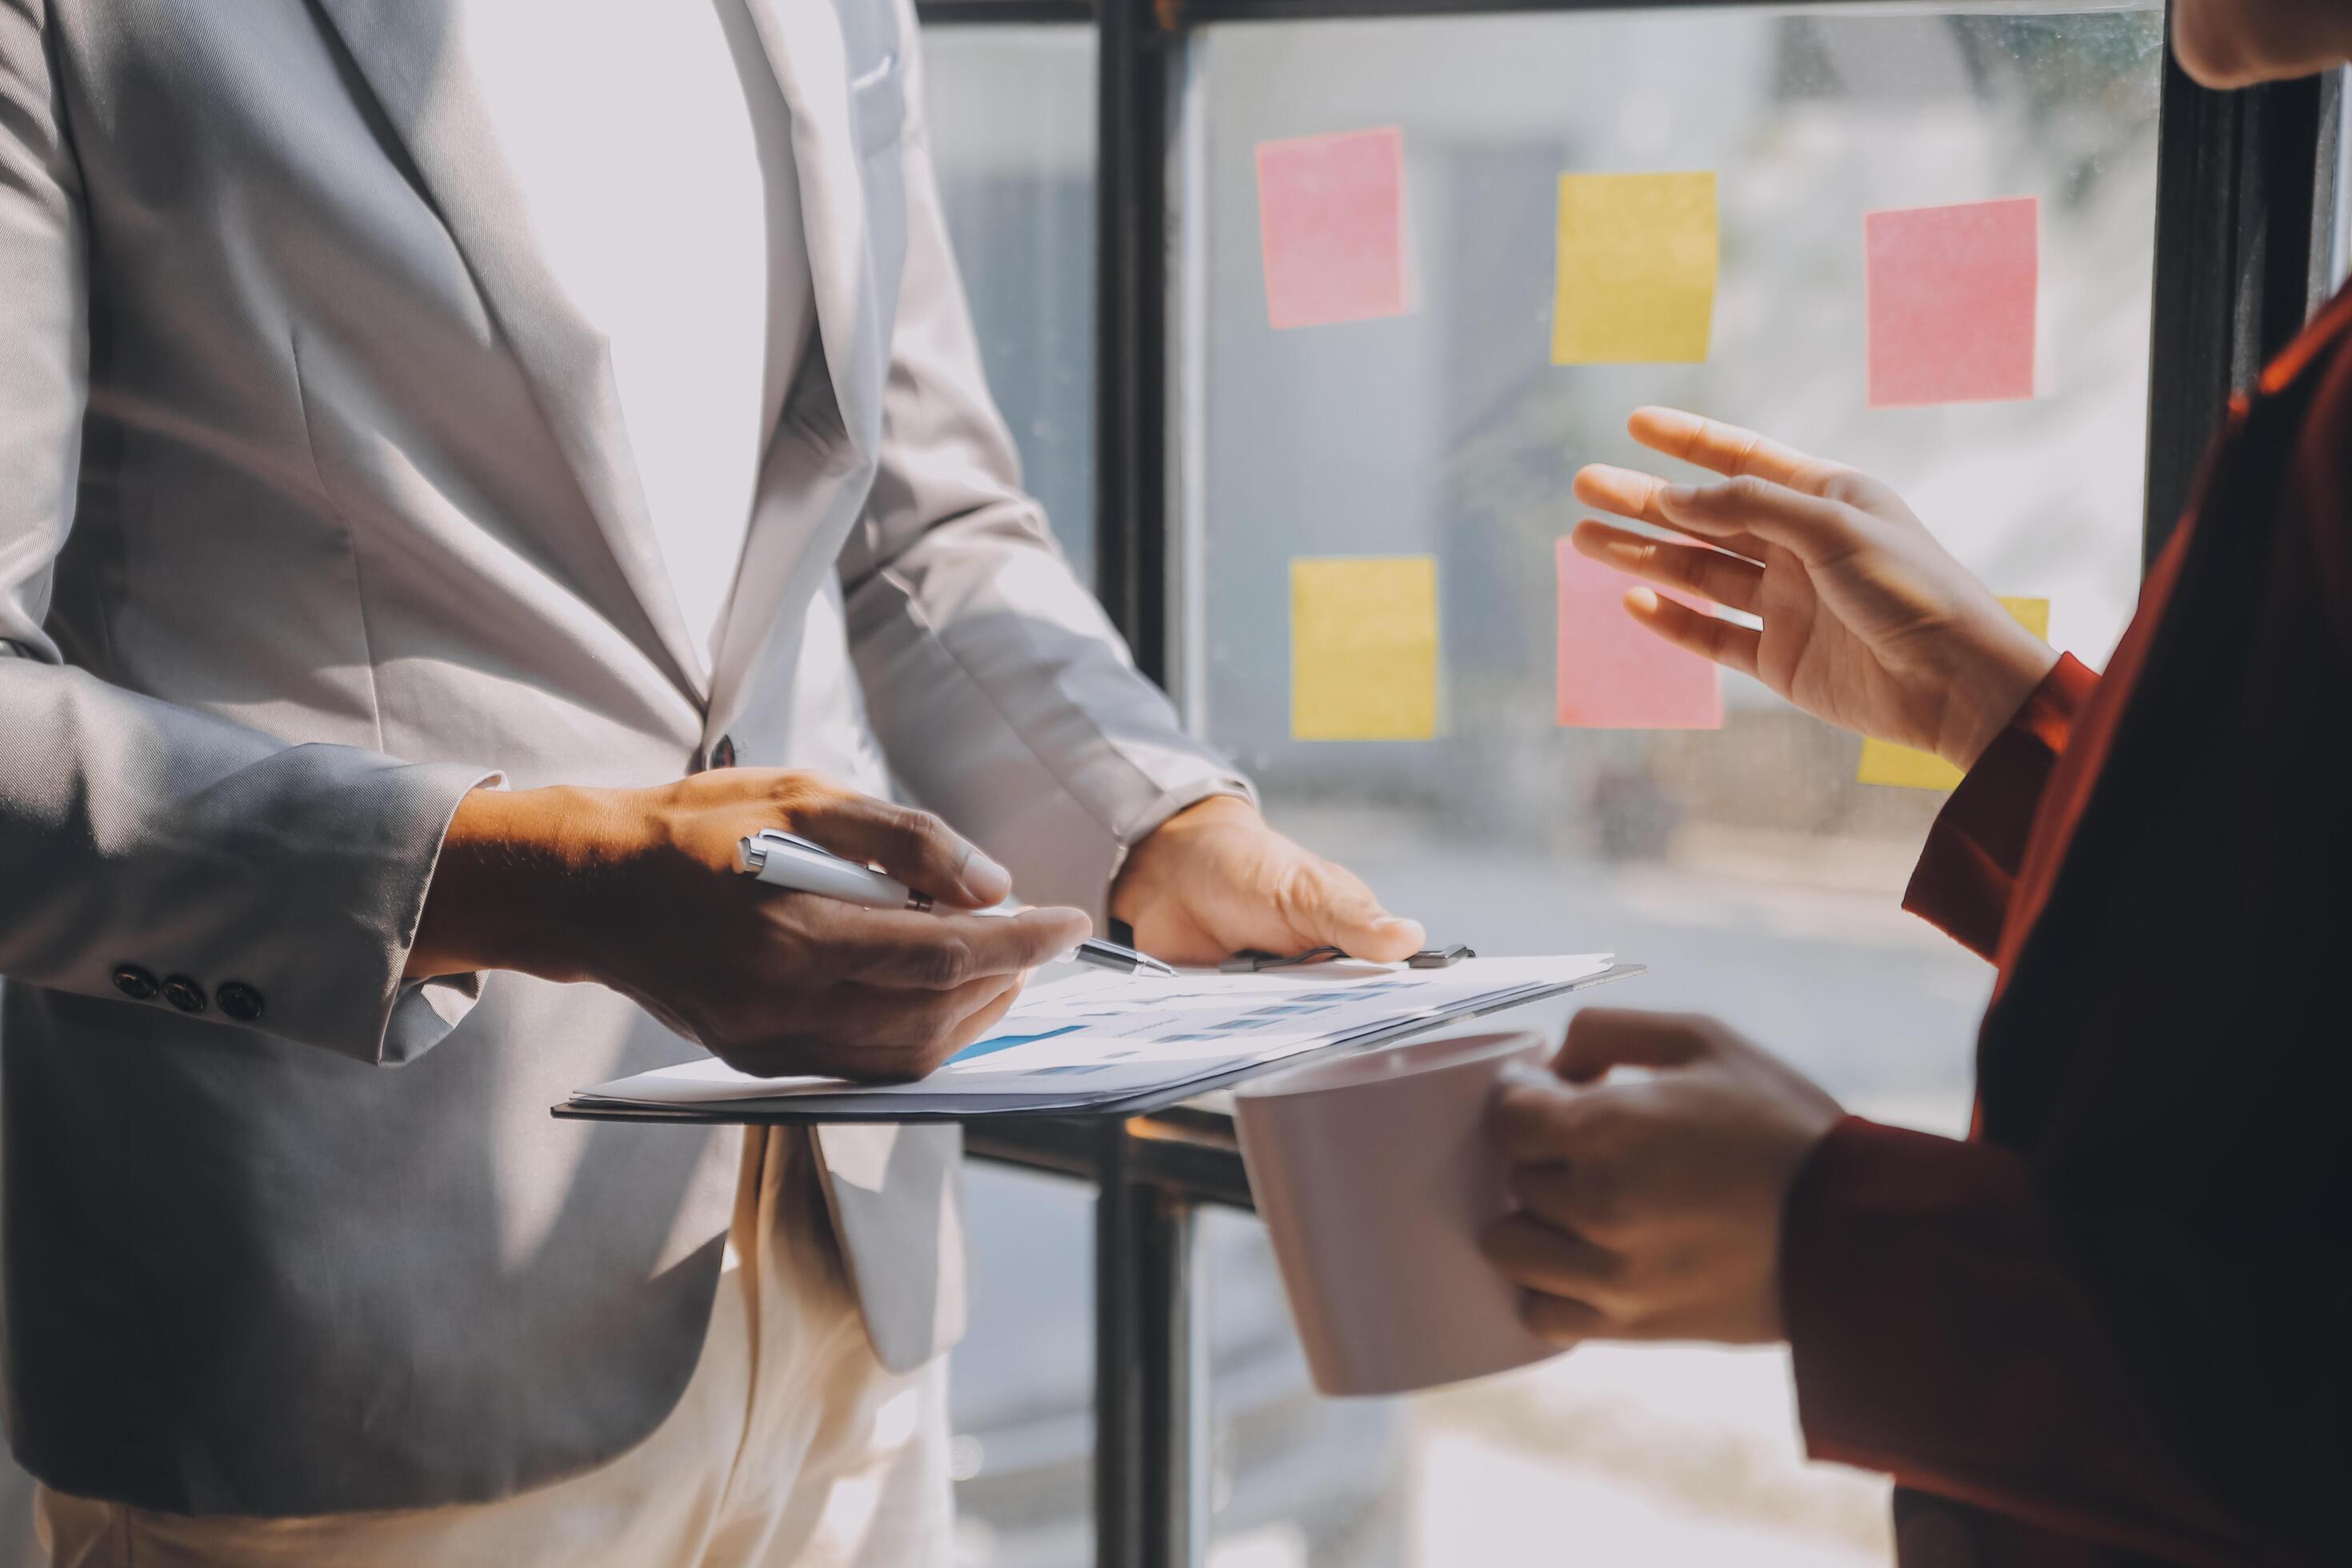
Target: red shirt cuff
(1966, 871)
(1877, 1222)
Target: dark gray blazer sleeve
(134, 832)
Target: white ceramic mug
(1375, 1174)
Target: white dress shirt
(670, 215)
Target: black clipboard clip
(1259, 962)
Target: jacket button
(136, 983)
(722, 755)
(239, 1001)
(184, 993)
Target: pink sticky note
(1951, 293)
(1616, 674)
(1330, 214)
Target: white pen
(787, 860)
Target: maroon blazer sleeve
(1962, 882)
(1952, 1330)
(2140, 1335)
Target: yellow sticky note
(1363, 648)
(1884, 763)
(1637, 260)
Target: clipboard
(858, 1106)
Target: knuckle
(920, 829)
(1610, 1133)
(1597, 1205)
(1605, 1123)
(1293, 892)
(948, 963)
(1849, 487)
(909, 820)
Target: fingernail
(1679, 495)
(984, 875)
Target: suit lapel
(893, 1191)
(812, 474)
(805, 46)
(407, 51)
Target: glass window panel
(1022, 1385)
(1747, 866)
(1013, 136)
(2337, 216)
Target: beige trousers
(792, 1444)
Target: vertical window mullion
(1151, 1370)
(1130, 468)
(2237, 183)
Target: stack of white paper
(1099, 1039)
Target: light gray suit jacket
(315, 513)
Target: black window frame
(2245, 200)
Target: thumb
(1334, 908)
(1599, 1039)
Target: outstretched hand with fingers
(1868, 621)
